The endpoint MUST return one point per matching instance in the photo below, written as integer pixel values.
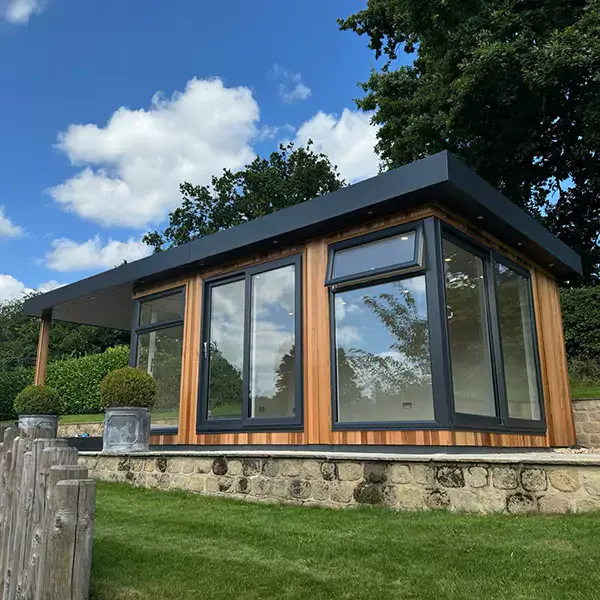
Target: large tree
(289, 176)
(510, 86)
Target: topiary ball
(38, 400)
(127, 387)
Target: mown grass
(68, 419)
(585, 391)
(179, 546)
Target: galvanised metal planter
(38, 426)
(126, 430)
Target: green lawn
(585, 391)
(66, 419)
(178, 546)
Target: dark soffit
(105, 299)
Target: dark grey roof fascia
(434, 178)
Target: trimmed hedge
(77, 380)
(581, 316)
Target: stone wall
(587, 422)
(563, 484)
(96, 429)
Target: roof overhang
(106, 299)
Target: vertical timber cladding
(317, 375)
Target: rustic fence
(46, 519)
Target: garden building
(417, 308)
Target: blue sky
(109, 104)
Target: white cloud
(290, 87)
(12, 289)
(349, 141)
(134, 164)
(7, 227)
(67, 255)
(20, 11)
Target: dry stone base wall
(587, 422)
(476, 487)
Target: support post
(42, 349)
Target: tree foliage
(19, 337)
(289, 176)
(510, 86)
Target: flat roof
(106, 299)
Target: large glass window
(518, 343)
(383, 367)
(381, 355)
(158, 351)
(252, 362)
(468, 331)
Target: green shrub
(11, 383)
(78, 379)
(581, 316)
(128, 387)
(38, 400)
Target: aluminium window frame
(137, 330)
(247, 423)
(433, 230)
(501, 423)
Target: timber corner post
(41, 360)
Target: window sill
(164, 430)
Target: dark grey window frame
(432, 231)
(137, 330)
(375, 236)
(247, 423)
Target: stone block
(521, 503)
(436, 499)
(234, 467)
(161, 464)
(279, 488)
(225, 484)
(219, 466)
(465, 500)
(299, 489)
(591, 427)
(149, 466)
(250, 467)
(409, 498)
(368, 493)
(400, 474)
(110, 463)
(349, 471)
(261, 486)
(450, 476)
(329, 471)
(504, 478)
(179, 482)
(203, 465)
(476, 477)
(595, 440)
(195, 483)
(242, 485)
(139, 480)
(492, 501)
(591, 481)
(270, 468)
(158, 480)
(290, 468)
(565, 480)
(580, 416)
(341, 491)
(589, 504)
(211, 484)
(534, 480)
(188, 465)
(311, 469)
(553, 504)
(423, 474)
(374, 472)
(175, 465)
(320, 489)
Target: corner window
(251, 368)
(157, 349)
(490, 324)
(380, 333)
